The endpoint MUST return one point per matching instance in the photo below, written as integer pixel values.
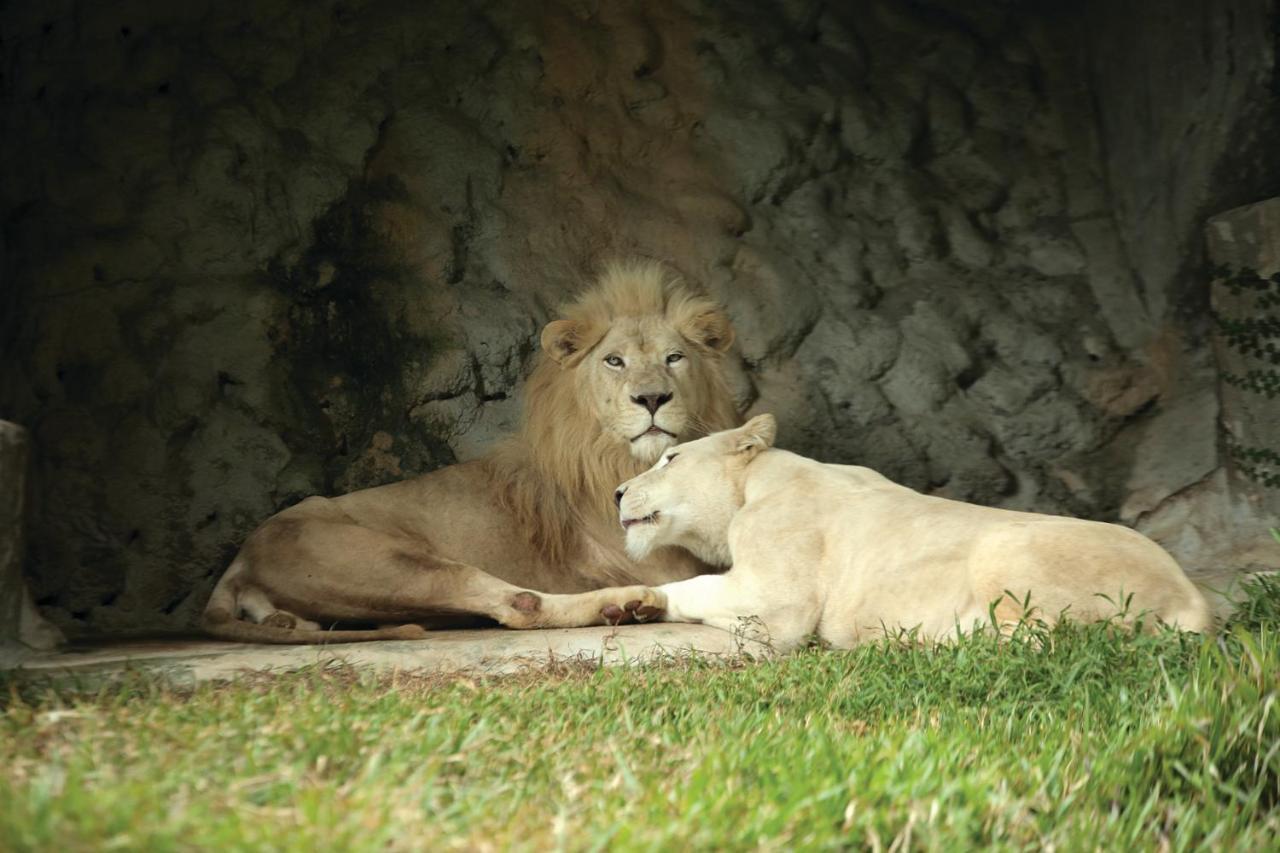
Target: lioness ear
(755, 435)
(712, 330)
(563, 339)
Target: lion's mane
(561, 468)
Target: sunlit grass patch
(1087, 736)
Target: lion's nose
(652, 402)
(617, 497)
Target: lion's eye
(674, 357)
(614, 361)
(667, 461)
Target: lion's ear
(755, 435)
(712, 330)
(563, 339)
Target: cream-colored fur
(842, 552)
(633, 366)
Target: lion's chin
(648, 447)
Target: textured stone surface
(13, 486)
(1188, 99)
(488, 652)
(1215, 531)
(20, 622)
(270, 250)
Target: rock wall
(258, 251)
(1188, 101)
(22, 628)
(1187, 97)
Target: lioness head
(690, 495)
(642, 354)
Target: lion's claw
(649, 605)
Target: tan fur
(840, 551)
(477, 539)
(561, 451)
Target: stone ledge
(488, 652)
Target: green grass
(1079, 737)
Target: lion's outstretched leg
(444, 586)
(316, 571)
(421, 585)
(612, 606)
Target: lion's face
(640, 381)
(690, 495)
(649, 381)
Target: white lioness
(842, 552)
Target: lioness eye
(672, 457)
(674, 357)
(614, 361)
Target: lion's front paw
(633, 604)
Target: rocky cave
(1025, 254)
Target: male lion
(842, 551)
(634, 367)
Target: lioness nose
(617, 497)
(652, 402)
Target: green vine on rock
(1256, 336)
(1258, 463)
(1264, 382)
(1238, 281)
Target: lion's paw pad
(634, 610)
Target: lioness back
(926, 560)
